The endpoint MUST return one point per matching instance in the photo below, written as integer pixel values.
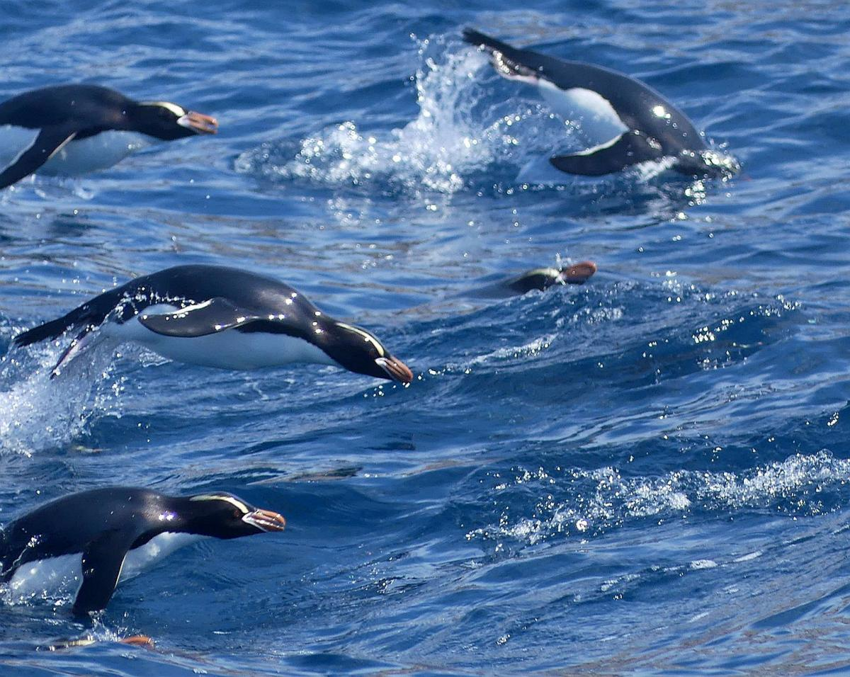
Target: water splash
(434, 152)
(452, 140)
(602, 499)
(40, 413)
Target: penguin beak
(577, 274)
(396, 369)
(198, 123)
(265, 520)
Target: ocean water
(646, 475)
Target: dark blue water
(647, 475)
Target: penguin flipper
(48, 142)
(630, 148)
(201, 319)
(103, 560)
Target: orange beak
(265, 520)
(577, 274)
(199, 123)
(396, 369)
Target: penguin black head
(168, 121)
(225, 516)
(360, 351)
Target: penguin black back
(86, 106)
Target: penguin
(543, 278)
(92, 540)
(628, 121)
(217, 316)
(76, 129)
(539, 279)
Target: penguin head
(360, 351)
(168, 121)
(223, 515)
(543, 278)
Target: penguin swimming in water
(543, 278)
(628, 121)
(76, 129)
(220, 317)
(539, 279)
(92, 540)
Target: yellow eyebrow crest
(219, 497)
(173, 107)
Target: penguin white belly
(228, 349)
(54, 577)
(597, 117)
(160, 546)
(94, 153)
(63, 576)
(14, 141)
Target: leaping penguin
(537, 279)
(220, 317)
(628, 121)
(76, 129)
(92, 540)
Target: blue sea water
(645, 475)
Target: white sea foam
(603, 498)
(530, 349)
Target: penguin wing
(201, 319)
(630, 148)
(103, 560)
(48, 142)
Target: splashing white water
(452, 138)
(433, 152)
(39, 413)
(605, 498)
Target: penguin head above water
(360, 351)
(223, 515)
(168, 121)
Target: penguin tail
(478, 39)
(43, 332)
(88, 315)
(508, 61)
